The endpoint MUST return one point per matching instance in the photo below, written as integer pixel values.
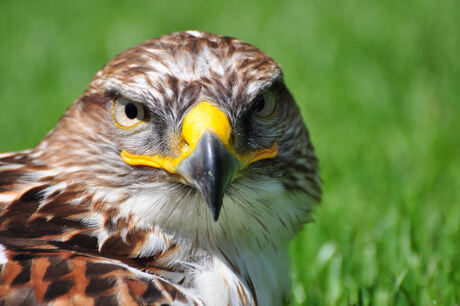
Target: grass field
(379, 87)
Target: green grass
(379, 87)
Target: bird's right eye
(127, 114)
(265, 105)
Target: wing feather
(39, 273)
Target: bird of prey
(178, 177)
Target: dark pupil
(131, 111)
(259, 102)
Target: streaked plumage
(105, 212)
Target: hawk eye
(265, 105)
(127, 114)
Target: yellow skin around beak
(203, 118)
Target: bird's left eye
(265, 105)
(126, 113)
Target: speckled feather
(80, 226)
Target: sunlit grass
(378, 84)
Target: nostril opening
(184, 142)
(185, 146)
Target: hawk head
(192, 132)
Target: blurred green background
(379, 87)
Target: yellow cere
(203, 118)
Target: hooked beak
(207, 158)
(210, 169)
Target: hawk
(178, 177)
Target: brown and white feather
(80, 226)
